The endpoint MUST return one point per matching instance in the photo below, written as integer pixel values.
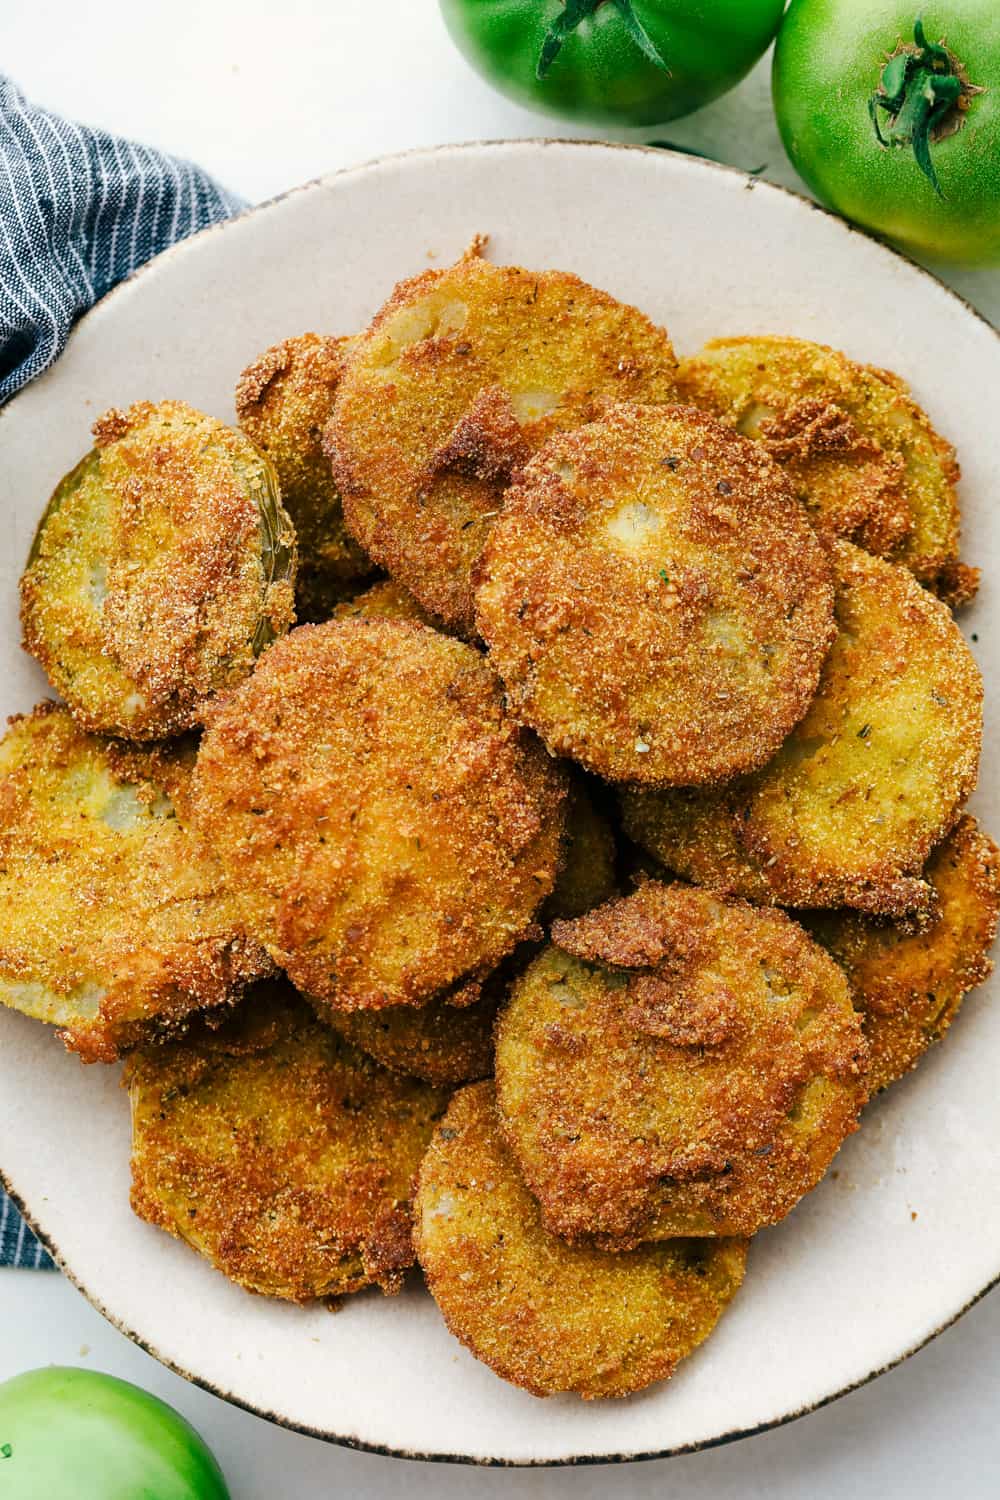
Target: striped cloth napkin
(79, 210)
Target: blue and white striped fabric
(18, 1246)
(79, 210)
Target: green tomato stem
(576, 11)
(923, 92)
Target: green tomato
(69, 1434)
(891, 127)
(620, 62)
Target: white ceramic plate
(905, 1233)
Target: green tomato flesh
(828, 63)
(70, 1434)
(600, 74)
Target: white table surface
(267, 96)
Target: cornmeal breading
(872, 777)
(861, 453)
(908, 978)
(114, 925)
(162, 567)
(545, 1315)
(461, 376)
(385, 600)
(386, 827)
(283, 401)
(674, 1065)
(280, 1153)
(655, 599)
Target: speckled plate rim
(347, 1440)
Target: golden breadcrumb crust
(677, 1066)
(283, 401)
(449, 1040)
(434, 1042)
(655, 599)
(693, 833)
(542, 1314)
(387, 828)
(461, 376)
(280, 1153)
(867, 783)
(386, 600)
(441, 1042)
(587, 875)
(909, 979)
(878, 770)
(163, 565)
(861, 453)
(114, 925)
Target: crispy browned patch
(866, 784)
(114, 926)
(677, 1066)
(283, 401)
(387, 828)
(461, 375)
(278, 1152)
(655, 599)
(162, 566)
(957, 584)
(545, 1315)
(909, 979)
(861, 453)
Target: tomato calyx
(576, 11)
(925, 93)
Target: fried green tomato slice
(655, 599)
(861, 453)
(283, 401)
(868, 782)
(548, 1316)
(876, 773)
(462, 375)
(675, 1065)
(279, 1152)
(114, 925)
(388, 829)
(908, 979)
(162, 567)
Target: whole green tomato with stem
(891, 114)
(71, 1434)
(617, 62)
